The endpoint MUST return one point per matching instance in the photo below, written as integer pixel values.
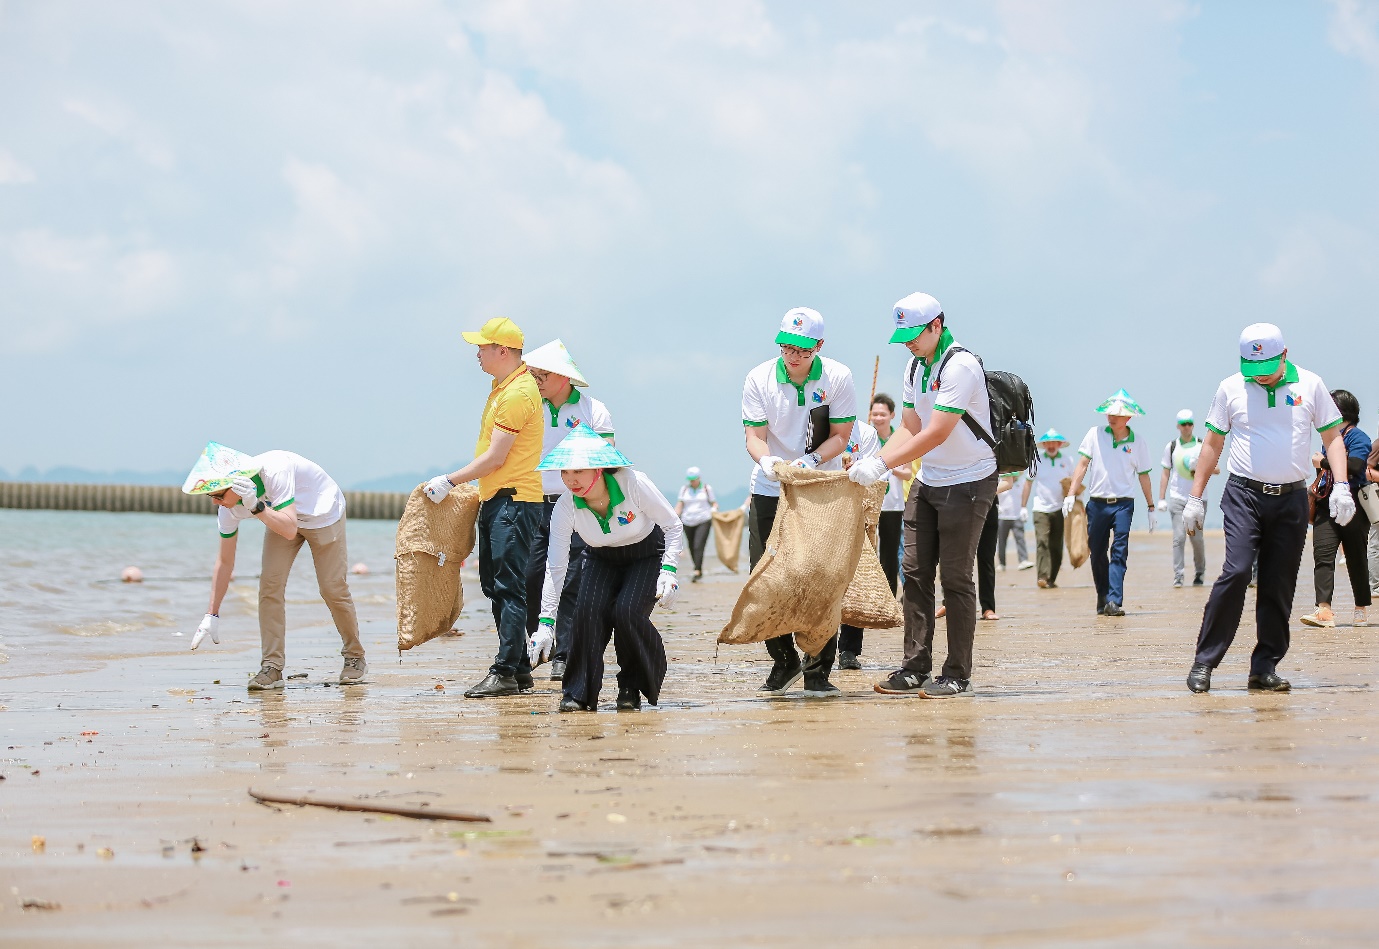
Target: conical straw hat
(554, 357)
(1053, 435)
(216, 468)
(1120, 404)
(583, 448)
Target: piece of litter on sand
(31, 903)
(38, 843)
(422, 812)
(297, 675)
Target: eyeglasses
(795, 352)
(538, 376)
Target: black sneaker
(492, 686)
(946, 688)
(848, 660)
(525, 682)
(818, 687)
(557, 670)
(901, 682)
(781, 678)
(1113, 609)
(629, 700)
(1197, 582)
(570, 705)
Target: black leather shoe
(783, 676)
(1199, 677)
(557, 670)
(1113, 609)
(848, 660)
(492, 686)
(524, 682)
(1268, 682)
(629, 700)
(570, 705)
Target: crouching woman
(633, 541)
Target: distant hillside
(67, 475)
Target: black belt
(505, 493)
(1275, 490)
(552, 498)
(1113, 500)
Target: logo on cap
(1257, 348)
(899, 317)
(797, 322)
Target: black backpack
(1012, 416)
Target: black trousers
(888, 535)
(696, 536)
(1274, 528)
(617, 591)
(536, 578)
(761, 517)
(986, 561)
(1327, 536)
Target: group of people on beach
(576, 546)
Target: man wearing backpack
(948, 503)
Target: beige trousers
(331, 562)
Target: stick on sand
(420, 813)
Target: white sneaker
(1361, 619)
(1026, 565)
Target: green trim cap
(693, 473)
(1261, 350)
(554, 357)
(912, 315)
(216, 468)
(1120, 404)
(1052, 435)
(583, 448)
(801, 327)
(1185, 417)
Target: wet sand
(1081, 796)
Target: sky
(267, 224)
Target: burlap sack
(727, 536)
(432, 541)
(1075, 530)
(811, 556)
(869, 602)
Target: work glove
(210, 626)
(667, 589)
(868, 471)
(437, 488)
(804, 461)
(768, 466)
(1068, 504)
(1194, 515)
(1153, 520)
(246, 489)
(1162, 506)
(541, 642)
(1342, 503)
(1024, 514)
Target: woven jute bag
(869, 602)
(432, 541)
(810, 558)
(727, 536)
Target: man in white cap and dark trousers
(797, 409)
(1270, 409)
(560, 382)
(948, 505)
(1175, 484)
(1112, 461)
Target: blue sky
(267, 224)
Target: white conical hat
(554, 357)
(583, 448)
(216, 468)
(1120, 404)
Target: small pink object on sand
(360, 569)
(132, 575)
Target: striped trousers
(617, 590)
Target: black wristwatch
(260, 504)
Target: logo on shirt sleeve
(626, 518)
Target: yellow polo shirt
(514, 405)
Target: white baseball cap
(801, 327)
(1261, 350)
(692, 474)
(912, 315)
(1185, 417)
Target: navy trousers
(505, 531)
(1108, 530)
(1274, 528)
(617, 590)
(536, 579)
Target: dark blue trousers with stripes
(617, 590)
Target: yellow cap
(499, 331)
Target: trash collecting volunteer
(947, 508)
(1013, 516)
(862, 443)
(632, 543)
(1112, 460)
(796, 409)
(565, 406)
(510, 498)
(1175, 484)
(297, 503)
(1270, 409)
(695, 506)
(1047, 489)
(1328, 536)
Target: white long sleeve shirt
(635, 509)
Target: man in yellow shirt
(510, 499)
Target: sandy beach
(1080, 797)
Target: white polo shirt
(1176, 461)
(698, 504)
(1271, 429)
(895, 484)
(1046, 496)
(1008, 503)
(558, 423)
(771, 400)
(636, 508)
(961, 387)
(1116, 466)
(287, 478)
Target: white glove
(437, 488)
(1342, 504)
(1194, 515)
(1162, 505)
(868, 470)
(667, 588)
(1024, 514)
(210, 625)
(768, 466)
(1153, 520)
(1068, 504)
(804, 461)
(246, 489)
(541, 642)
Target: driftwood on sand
(420, 813)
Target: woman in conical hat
(633, 541)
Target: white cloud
(13, 171)
(1354, 29)
(117, 122)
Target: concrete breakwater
(162, 499)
